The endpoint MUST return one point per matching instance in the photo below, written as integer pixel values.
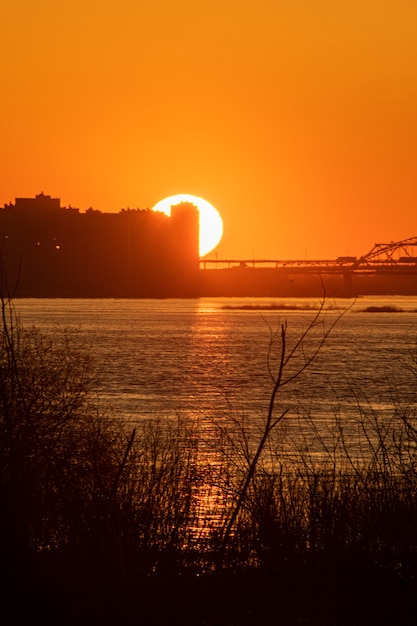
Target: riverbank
(320, 597)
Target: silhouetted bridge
(385, 258)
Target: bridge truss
(398, 255)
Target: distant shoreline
(388, 308)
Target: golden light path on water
(211, 224)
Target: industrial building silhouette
(51, 251)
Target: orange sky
(296, 119)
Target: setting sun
(211, 224)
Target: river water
(207, 359)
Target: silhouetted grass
(102, 524)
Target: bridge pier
(347, 284)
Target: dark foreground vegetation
(102, 523)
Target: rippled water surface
(207, 357)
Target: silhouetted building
(51, 251)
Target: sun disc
(211, 224)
